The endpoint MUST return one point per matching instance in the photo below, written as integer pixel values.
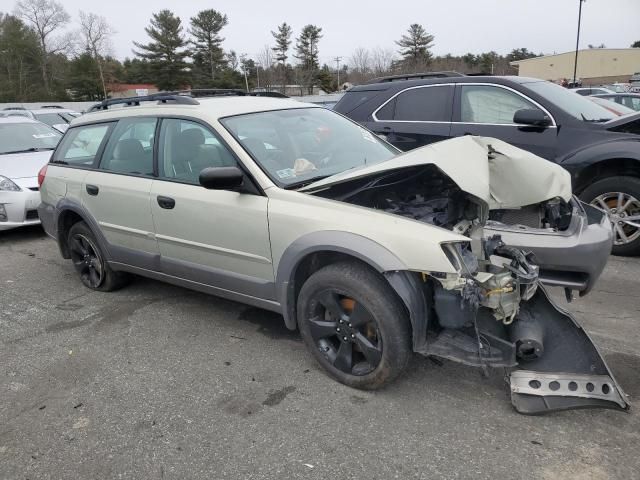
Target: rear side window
(81, 144)
(426, 104)
(352, 100)
(130, 148)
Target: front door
(213, 237)
(488, 110)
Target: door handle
(166, 202)
(92, 190)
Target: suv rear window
(80, 145)
(352, 100)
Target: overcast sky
(459, 26)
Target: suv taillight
(41, 174)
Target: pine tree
(167, 51)
(307, 47)
(208, 55)
(283, 41)
(415, 45)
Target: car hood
(501, 175)
(623, 120)
(23, 165)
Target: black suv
(599, 149)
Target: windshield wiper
(32, 149)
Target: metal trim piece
(220, 250)
(520, 383)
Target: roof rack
(14, 108)
(162, 97)
(416, 76)
(51, 106)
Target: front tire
(619, 198)
(354, 325)
(89, 260)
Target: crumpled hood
(23, 165)
(500, 174)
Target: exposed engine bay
(493, 312)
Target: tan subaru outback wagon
(371, 253)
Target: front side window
(130, 148)
(186, 148)
(487, 104)
(297, 146)
(81, 144)
(23, 137)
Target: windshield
(20, 137)
(50, 118)
(301, 145)
(575, 105)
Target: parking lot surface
(155, 381)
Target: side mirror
(532, 116)
(221, 178)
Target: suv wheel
(619, 198)
(354, 325)
(89, 262)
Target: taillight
(41, 174)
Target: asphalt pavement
(156, 381)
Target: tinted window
(352, 100)
(130, 148)
(387, 112)
(424, 104)
(487, 104)
(80, 145)
(186, 148)
(50, 118)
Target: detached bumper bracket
(574, 385)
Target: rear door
(213, 237)
(416, 116)
(117, 192)
(487, 110)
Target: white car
(25, 147)
(54, 116)
(373, 254)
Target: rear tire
(90, 262)
(619, 197)
(354, 325)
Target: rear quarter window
(80, 145)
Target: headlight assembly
(6, 185)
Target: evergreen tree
(166, 52)
(415, 45)
(307, 47)
(208, 56)
(283, 41)
(636, 44)
(20, 79)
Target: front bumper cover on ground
(571, 374)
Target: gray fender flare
(375, 255)
(65, 205)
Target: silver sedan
(25, 148)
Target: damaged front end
(494, 311)
(500, 316)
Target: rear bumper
(20, 208)
(574, 258)
(47, 214)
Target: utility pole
(337, 60)
(575, 62)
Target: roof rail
(14, 108)
(212, 92)
(51, 106)
(415, 76)
(161, 97)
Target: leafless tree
(266, 62)
(45, 16)
(360, 63)
(96, 36)
(382, 60)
